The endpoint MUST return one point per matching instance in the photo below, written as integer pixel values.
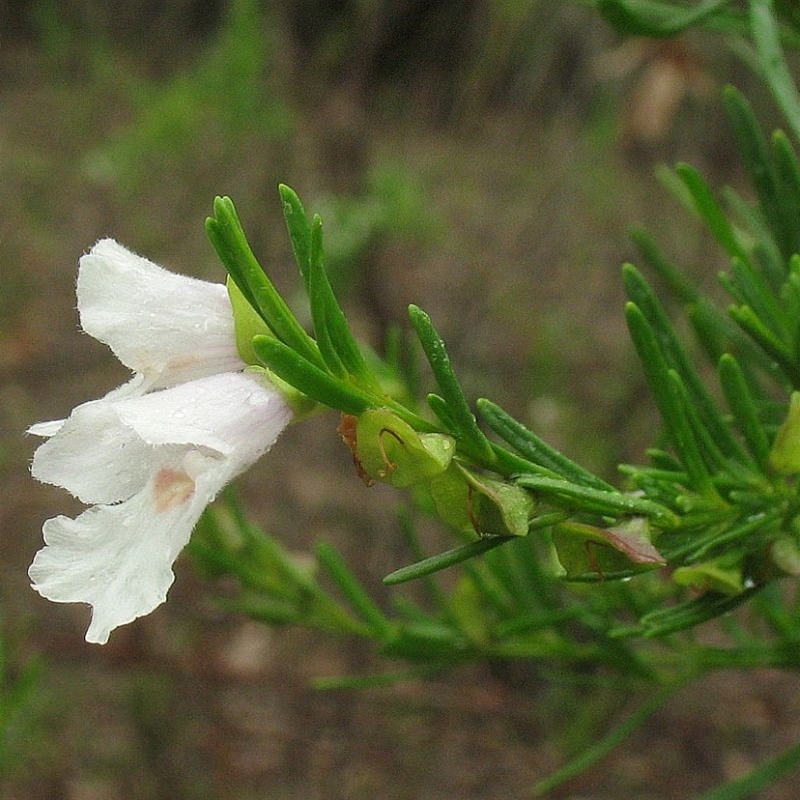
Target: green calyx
(473, 503)
(388, 449)
(247, 323)
(587, 552)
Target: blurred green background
(482, 159)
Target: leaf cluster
(718, 505)
(709, 524)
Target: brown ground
(519, 272)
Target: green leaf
(427, 641)
(228, 238)
(309, 379)
(752, 533)
(350, 587)
(788, 179)
(463, 420)
(690, 613)
(605, 745)
(673, 276)
(337, 345)
(757, 160)
(710, 211)
(773, 65)
(751, 289)
(439, 406)
(760, 779)
(656, 19)
(298, 228)
(598, 501)
(444, 560)
(662, 338)
(666, 387)
(719, 334)
(529, 445)
(774, 347)
(715, 331)
(744, 409)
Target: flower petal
(107, 449)
(220, 412)
(118, 557)
(169, 327)
(94, 456)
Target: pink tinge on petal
(171, 488)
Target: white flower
(151, 455)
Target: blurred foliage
(459, 58)
(205, 112)
(392, 204)
(20, 701)
(717, 505)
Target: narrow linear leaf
(600, 501)
(744, 409)
(778, 350)
(428, 642)
(410, 535)
(309, 379)
(691, 613)
(719, 334)
(464, 422)
(761, 778)
(320, 297)
(753, 291)
(692, 440)
(773, 64)
(708, 446)
(709, 209)
(767, 255)
(675, 356)
(752, 534)
(673, 276)
(663, 385)
(766, 251)
(715, 332)
(337, 345)
(298, 228)
(362, 682)
(350, 587)
(788, 175)
(228, 239)
(755, 155)
(439, 406)
(444, 560)
(606, 745)
(529, 445)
